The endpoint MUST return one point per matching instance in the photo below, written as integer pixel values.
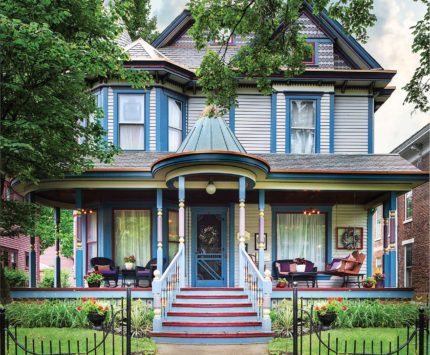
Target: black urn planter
(94, 284)
(327, 319)
(96, 320)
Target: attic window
(223, 36)
(311, 59)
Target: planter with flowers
(96, 312)
(379, 278)
(369, 282)
(129, 262)
(94, 278)
(281, 283)
(300, 264)
(327, 312)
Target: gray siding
(195, 108)
(152, 120)
(280, 123)
(325, 124)
(350, 124)
(252, 123)
(110, 115)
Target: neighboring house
(15, 253)
(47, 260)
(297, 167)
(413, 218)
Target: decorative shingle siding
(325, 56)
(110, 115)
(351, 124)
(152, 120)
(195, 109)
(138, 51)
(325, 124)
(309, 28)
(252, 123)
(280, 123)
(340, 62)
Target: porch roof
(288, 163)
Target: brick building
(413, 219)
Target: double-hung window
(408, 265)
(303, 126)
(131, 121)
(175, 124)
(408, 206)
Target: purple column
(160, 230)
(261, 204)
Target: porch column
(79, 271)
(386, 260)
(242, 192)
(57, 274)
(261, 204)
(181, 195)
(32, 255)
(160, 230)
(392, 224)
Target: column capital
(160, 212)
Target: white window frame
(292, 128)
(408, 195)
(378, 263)
(405, 268)
(122, 120)
(170, 127)
(378, 224)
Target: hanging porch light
(210, 188)
(311, 211)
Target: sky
(389, 43)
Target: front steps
(211, 316)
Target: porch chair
(347, 267)
(108, 269)
(281, 268)
(147, 272)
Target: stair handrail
(256, 286)
(167, 286)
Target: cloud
(166, 11)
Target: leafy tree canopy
(138, 20)
(276, 42)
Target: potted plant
(94, 278)
(281, 283)
(96, 312)
(300, 264)
(129, 262)
(379, 278)
(327, 312)
(369, 282)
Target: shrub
(142, 316)
(16, 277)
(282, 318)
(48, 279)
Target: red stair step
(214, 297)
(222, 324)
(212, 289)
(208, 305)
(227, 314)
(212, 335)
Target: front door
(209, 250)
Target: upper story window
(131, 121)
(175, 124)
(312, 58)
(408, 206)
(303, 126)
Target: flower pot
(327, 319)
(281, 285)
(367, 285)
(129, 266)
(96, 320)
(380, 284)
(301, 268)
(94, 284)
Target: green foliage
(282, 318)
(4, 288)
(142, 316)
(91, 305)
(276, 43)
(419, 86)
(47, 280)
(138, 20)
(16, 277)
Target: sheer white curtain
(301, 236)
(175, 124)
(91, 237)
(131, 121)
(302, 126)
(132, 235)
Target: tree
(138, 20)
(277, 44)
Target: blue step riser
(209, 341)
(211, 310)
(209, 293)
(212, 319)
(211, 300)
(211, 329)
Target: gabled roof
(142, 50)
(211, 133)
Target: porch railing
(166, 287)
(256, 286)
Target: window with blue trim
(131, 121)
(175, 108)
(303, 126)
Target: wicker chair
(109, 275)
(147, 272)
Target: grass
(386, 335)
(139, 345)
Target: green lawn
(386, 335)
(75, 335)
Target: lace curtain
(132, 235)
(301, 236)
(302, 127)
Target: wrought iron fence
(308, 337)
(115, 337)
